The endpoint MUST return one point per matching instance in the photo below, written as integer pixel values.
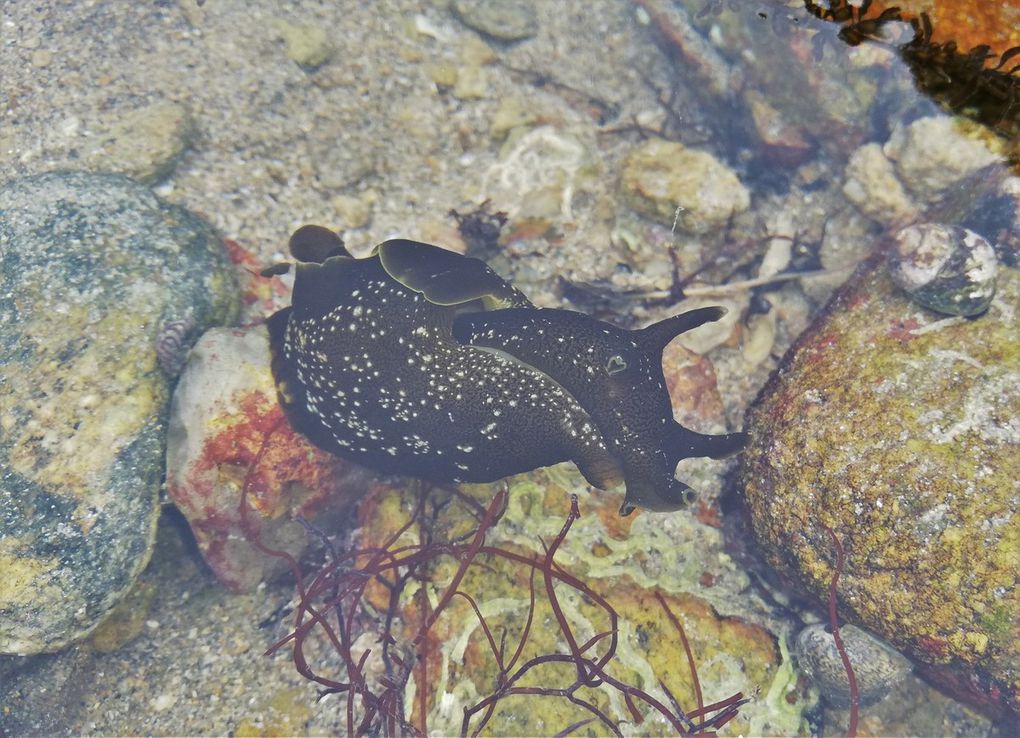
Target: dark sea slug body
(422, 362)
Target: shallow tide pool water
(841, 180)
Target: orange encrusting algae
(969, 23)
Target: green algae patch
(644, 566)
(897, 428)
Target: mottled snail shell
(422, 362)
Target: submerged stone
(877, 666)
(93, 267)
(670, 182)
(898, 429)
(503, 20)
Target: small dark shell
(948, 269)
(173, 343)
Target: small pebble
(877, 665)
(42, 58)
(503, 20)
(471, 84)
(306, 45)
(163, 702)
(355, 212)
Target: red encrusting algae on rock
(261, 295)
(224, 407)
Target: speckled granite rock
(898, 429)
(660, 176)
(93, 268)
(224, 418)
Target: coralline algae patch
(657, 556)
(229, 444)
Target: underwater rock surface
(660, 176)
(94, 268)
(224, 418)
(898, 429)
(632, 562)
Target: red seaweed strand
(687, 649)
(336, 603)
(851, 730)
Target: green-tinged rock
(306, 44)
(503, 20)
(96, 272)
(631, 562)
(145, 144)
(899, 430)
(667, 181)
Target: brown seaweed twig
(851, 730)
(336, 602)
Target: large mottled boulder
(103, 288)
(898, 429)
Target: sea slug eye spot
(615, 365)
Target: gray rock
(877, 665)
(503, 20)
(92, 270)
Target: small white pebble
(163, 702)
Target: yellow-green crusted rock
(671, 182)
(98, 278)
(899, 429)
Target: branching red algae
(333, 603)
